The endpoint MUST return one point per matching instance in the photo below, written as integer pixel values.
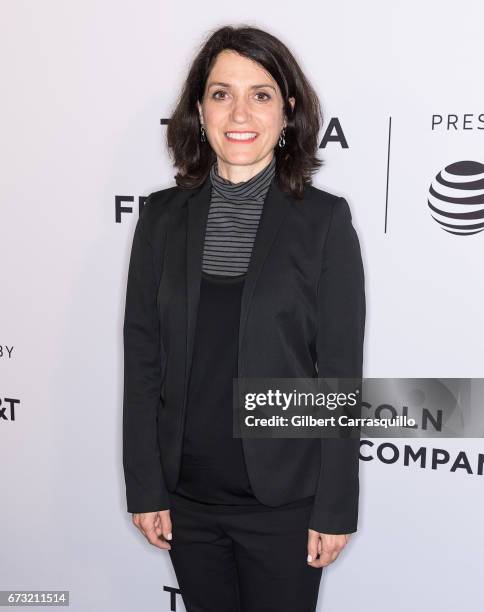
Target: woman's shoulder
(323, 205)
(159, 203)
(164, 196)
(321, 196)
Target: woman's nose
(240, 110)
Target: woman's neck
(239, 174)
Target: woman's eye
(218, 92)
(260, 93)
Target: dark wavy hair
(296, 161)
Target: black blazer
(302, 315)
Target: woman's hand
(327, 545)
(155, 526)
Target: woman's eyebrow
(220, 84)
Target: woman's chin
(240, 157)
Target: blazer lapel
(198, 206)
(275, 209)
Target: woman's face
(242, 112)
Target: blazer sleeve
(339, 347)
(145, 486)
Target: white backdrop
(85, 84)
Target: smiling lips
(241, 137)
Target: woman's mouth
(241, 137)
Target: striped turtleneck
(233, 219)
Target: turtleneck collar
(254, 189)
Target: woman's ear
(199, 106)
(292, 102)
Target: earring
(282, 138)
(202, 134)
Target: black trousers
(255, 561)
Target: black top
(213, 473)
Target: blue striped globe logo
(456, 198)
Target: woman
(242, 269)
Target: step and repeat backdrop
(88, 87)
